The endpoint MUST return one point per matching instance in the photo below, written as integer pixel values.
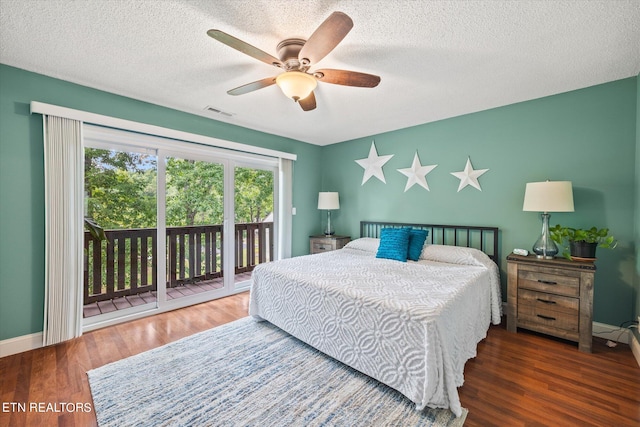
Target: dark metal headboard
(482, 238)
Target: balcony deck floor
(102, 307)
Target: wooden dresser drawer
(549, 310)
(549, 282)
(320, 244)
(554, 321)
(545, 301)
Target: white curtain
(63, 170)
(286, 207)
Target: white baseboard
(19, 344)
(613, 333)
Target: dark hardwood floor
(519, 379)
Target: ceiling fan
(296, 56)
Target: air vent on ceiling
(215, 110)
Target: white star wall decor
(373, 164)
(469, 176)
(417, 174)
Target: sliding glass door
(194, 218)
(183, 223)
(120, 244)
(254, 213)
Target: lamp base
(544, 247)
(328, 231)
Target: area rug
(247, 373)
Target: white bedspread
(409, 325)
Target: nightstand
(553, 296)
(322, 243)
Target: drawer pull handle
(546, 301)
(547, 282)
(546, 317)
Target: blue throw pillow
(394, 244)
(416, 242)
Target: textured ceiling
(437, 59)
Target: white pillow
(455, 255)
(367, 244)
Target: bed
(410, 325)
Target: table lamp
(328, 201)
(545, 197)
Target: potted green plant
(582, 242)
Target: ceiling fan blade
(325, 38)
(250, 87)
(347, 78)
(244, 47)
(309, 103)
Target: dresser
(322, 243)
(554, 297)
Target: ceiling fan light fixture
(296, 84)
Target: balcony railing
(127, 264)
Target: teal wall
(587, 136)
(22, 180)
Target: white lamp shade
(328, 200)
(548, 196)
(296, 85)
